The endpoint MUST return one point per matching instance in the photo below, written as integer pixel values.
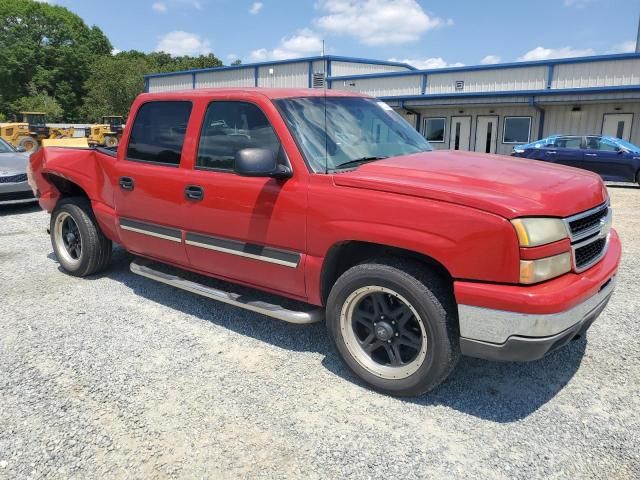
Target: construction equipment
(107, 133)
(78, 142)
(29, 129)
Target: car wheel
(110, 142)
(79, 244)
(394, 324)
(29, 144)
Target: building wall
(597, 74)
(382, 87)
(244, 77)
(171, 83)
(353, 68)
(500, 111)
(288, 75)
(497, 80)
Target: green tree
(236, 62)
(49, 47)
(39, 102)
(116, 80)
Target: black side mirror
(259, 162)
(21, 149)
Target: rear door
(605, 158)
(149, 194)
(247, 229)
(565, 150)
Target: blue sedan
(613, 159)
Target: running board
(140, 267)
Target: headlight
(518, 150)
(533, 232)
(534, 271)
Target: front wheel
(79, 244)
(110, 142)
(394, 324)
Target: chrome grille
(22, 177)
(589, 233)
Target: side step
(140, 267)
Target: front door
(250, 229)
(460, 133)
(604, 157)
(617, 125)
(149, 194)
(564, 150)
(486, 134)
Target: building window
(158, 132)
(516, 130)
(434, 129)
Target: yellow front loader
(107, 133)
(29, 129)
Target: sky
(425, 33)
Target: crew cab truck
(333, 202)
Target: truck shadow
(19, 209)
(498, 392)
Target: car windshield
(623, 143)
(358, 130)
(5, 147)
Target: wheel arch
(346, 254)
(67, 188)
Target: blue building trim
(146, 85)
(550, 70)
(286, 62)
(310, 75)
(255, 76)
(423, 87)
(193, 80)
(516, 93)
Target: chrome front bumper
(513, 336)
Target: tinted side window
(232, 126)
(572, 143)
(158, 132)
(602, 144)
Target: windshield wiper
(358, 161)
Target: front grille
(589, 224)
(22, 177)
(7, 197)
(589, 253)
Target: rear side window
(232, 126)
(158, 132)
(572, 143)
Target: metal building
(488, 108)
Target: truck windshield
(349, 132)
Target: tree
(116, 80)
(49, 47)
(39, 102)
(236, 62)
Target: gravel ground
(116, 376)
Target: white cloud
(303, 43)
(377, 22)
(541, 53)
(577, 3)
(255, 8)
(491, 60)
(624, 47)
(180, 43)
(427, 63)
(115, 51)
(159, 7)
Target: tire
(426, 348)
(30, 144)
(110, 142)
(92, 254)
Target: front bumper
(16, 193)
(538, 319)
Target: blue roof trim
(334, 58)
(515, 93)
(498, 66)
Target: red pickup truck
(413, 257)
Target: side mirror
(21, 149)
(259, 162)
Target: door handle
(193, 192)
(590, 154)
(126, 183)
(551, 152)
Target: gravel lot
(117, 376)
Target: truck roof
(272, 93)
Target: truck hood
(507, 186)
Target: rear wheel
(110, 142)
(394, 325)
(30, 144)
(79, 244)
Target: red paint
(454, 207)
(544, 251)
